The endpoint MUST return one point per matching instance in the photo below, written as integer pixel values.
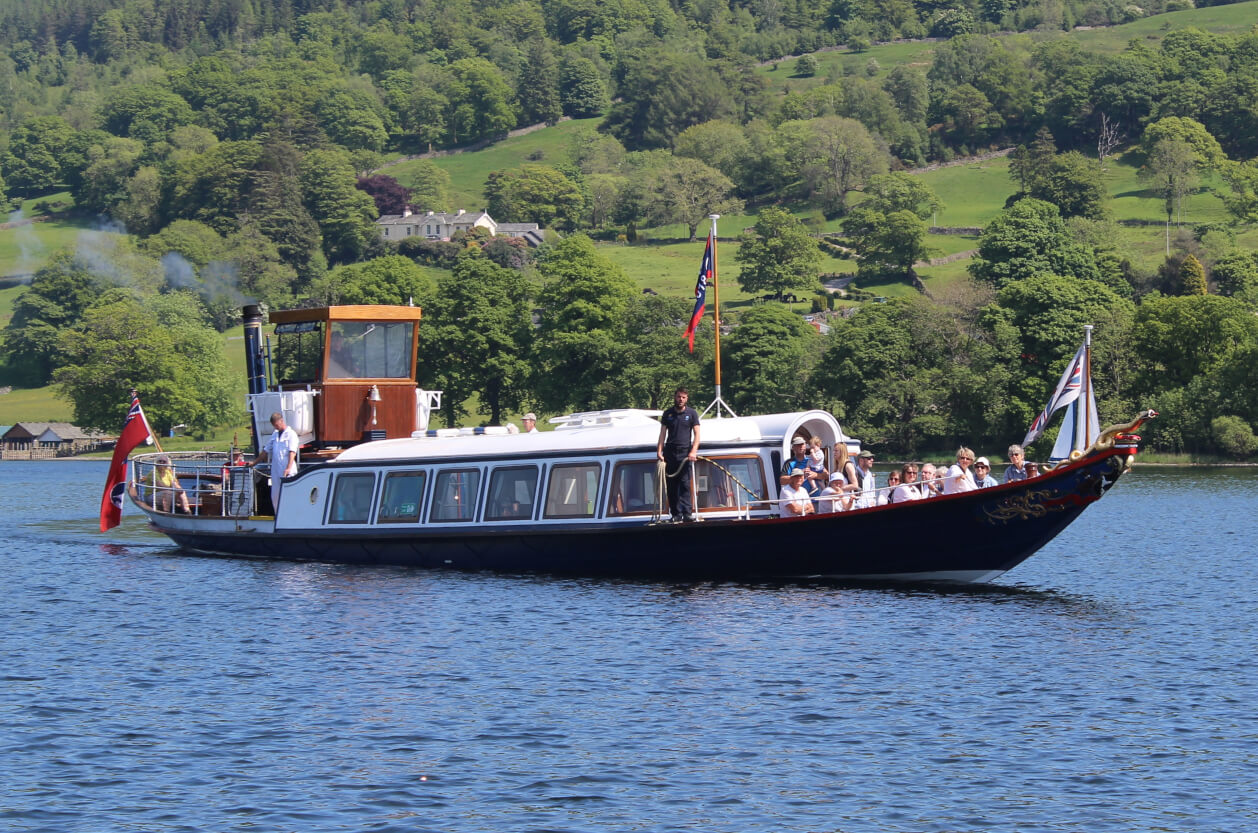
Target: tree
(158, 345)
(1029, 164)
(655, 360)
(582, 305)
(833, 155)
(1192, 276)
(350, 119)
(389, 195)
(805, 66)
(969, 118)
(393, 279)
(346, 216)
(581, 91)
(1234, 436)
(772, 350)
(1242, 202)
(1073, 183)
(146, 112)
(886, 243)
(662, 94)
(777, 255)
(1207, 153)
(32, 162)
(1236, 274)
(910, 90)
(108, 174)
(900, 191)
(719, 144)
(1172, 171)
(477, 336)
(538, 87)
(534, 193)
(430, 186)
(481, 102)
(686, 191)
(1027, 239)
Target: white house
(433, 225)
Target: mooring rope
(661, 472)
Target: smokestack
(255, 367)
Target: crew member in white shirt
(282, 450)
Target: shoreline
(889, 464)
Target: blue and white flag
(1067, 391)
(706, 270)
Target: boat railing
(213, 486)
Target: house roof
(467, 218)
(50, 431)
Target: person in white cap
(530, 423)
(794, 501)
(983, 473)
(836, 497)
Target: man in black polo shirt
(678, 445)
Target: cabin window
(351, 498)
(454, 496)
(298, 351)
(370, 349)
(402, 497)
(572, 490)
(512, 493)
(634, 489)
(717, 488)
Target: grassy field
(1228, 19)
(1231, 19)
(469, 170)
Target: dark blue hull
(967, 537)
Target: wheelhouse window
(454, 496)
(571, 491)
(351, 498)
(402, 497)
(370, 349)
(718, 488)
(512, 493)
(298, 351)
(633, 489)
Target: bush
(805, 67)
(1234, 436)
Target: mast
(1085, 395)
(718, 402)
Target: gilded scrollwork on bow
(1032, 504)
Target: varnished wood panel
(344, 413)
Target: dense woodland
(240, 143)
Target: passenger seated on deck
(930, 484)
(837, 497)
(167, 490)
(886, 495)
(908, 488)
(795, 502)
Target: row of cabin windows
(572, 491)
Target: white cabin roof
(596, 433)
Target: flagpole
(135, 395)
(1085, 397)
(718, 402)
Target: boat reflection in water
(376, 485)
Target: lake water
(1108, 684)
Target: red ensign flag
(134, 432)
